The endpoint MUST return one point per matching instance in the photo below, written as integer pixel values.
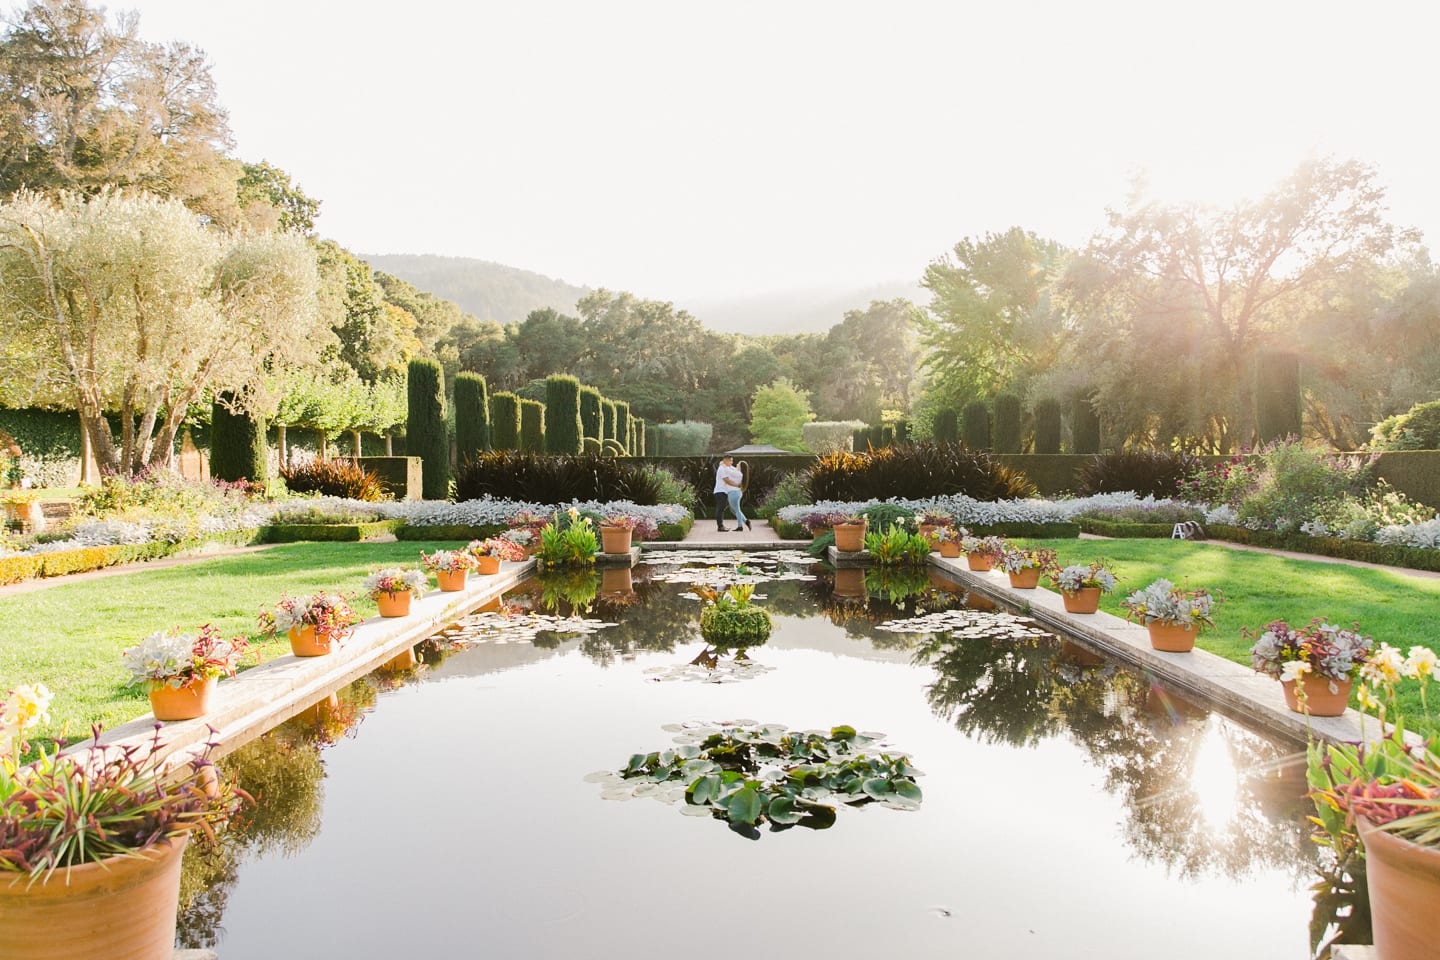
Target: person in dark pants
(727, 478)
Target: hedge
(592, 421)
(412, 531)
(85, 559)
(339, 532)
(689, 438)
(977, 426)
(238, 450)
(1007, 423)
(1120, 530)
(1047, 428)
(622, 424)
(675, 531)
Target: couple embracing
(728, 483)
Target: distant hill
(489, 291)
(794, 311)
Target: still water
(1071, 808)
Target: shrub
(1148, 473)
(1416, 429)
(1295, 483)
(540, 478)
(789, 491)
(1047, 426)
(237, 443)
(472, 415)
(1277, 395)
(670, 488)
(977, 426)
(532, 426)
(823, 436)
(1084, 427)
(504, 421)
(883, 517)
(563, 431)
(689, 438)
(915, 471)
(1007, 423)
(607, 419)
(425, 435)
(592, 421)
(947, 426)
(732, 627)
(333, 478)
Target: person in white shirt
(728, 480)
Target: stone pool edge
(247, 705)
(1232, 687)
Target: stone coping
(627, 559)
(737, 543)
(1229, 686)
(245, 706)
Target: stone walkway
(703, 536)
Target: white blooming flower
(1293, 670)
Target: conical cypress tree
(563, 432)
(977, 426)
(1084, 427)
(622, 424)
(1277, 395)
(504, 421)
(472, 416)
(1007, 423)
(237, 444)
(425, 435)
(532, 426)
(592, 421)
(1047, 426)
(607, 410)
(947, 426)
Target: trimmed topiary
(472, 415)
(607, 413)
(1007, 423)
(425, 435)
(977, 426)
(592, 421)
(1277, 395)
(237, 443)
(591, 447)
(947, 426)
(652, 442)
(1084, 427)
(532, 426)
(504, 421)
(689, 438)
(638, 445)
(563, 431)
(1047, 426)
(622, 424)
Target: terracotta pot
(1404, 882)
(123, 908)
(1084, 600)
(979, 561)
(850, 582)
(394, 604)
(404, 660)
(927, 530)
(1025, 579)
(1171, 637)
(1319, 701)
(31, 515)
(949, 549)
(615, 539)
(487, 566)
(185, 702)
(616, 580)
(304, 642)
(849, 537)
(451, 581)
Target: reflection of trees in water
(1145, 739)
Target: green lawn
(69, 636)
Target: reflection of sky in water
(458, 822)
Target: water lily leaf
(818, 818)
(744, 805)
(703, 790)
(876, 787)
(908, 790)
(842, 733)
(602, 776)
(783, 810)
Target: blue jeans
(733, 495)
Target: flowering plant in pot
(91, 846)
(983, 552)
(819, 522)
(849, 533)
(490, 552)
(1025, 564)
(1174, 616)
(314, 623)
(948, 540)
(180, 670)
(1381, 800)
(619, 530)
(25, 709)
(1080, 584)
(451, 567)
(1315, 664)
(569, 541)
(930, 521)
(392, 587)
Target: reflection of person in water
(728, 480)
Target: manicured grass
(1259, 587)
(69, 636)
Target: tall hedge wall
(425, 435)
(472, 416)
(563, 430)
(504, 421)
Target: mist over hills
(493, 291)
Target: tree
(128, 304)
(376, 338)
(777, 414)
(237, 443)
(472, 415)
(563, 432)
(504, 421)
(266, 188)
(992, 325)
(425, 435)
(1236, 279)
(86, 105)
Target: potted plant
(982, 553)
(180, 670)
(1174, 616)
(820, 522)
(525, 528)
(315, 624)
(392, 587)
(1025, 564)
(618, 530)
(490, 552)
(1316, 664)
(930, 521)
(1382, 801)
(24, 506)
(569, 541)
(948, 539)
(1081, 584)
(850, 533)
(92, 843)
(897, 546)
(451, 568)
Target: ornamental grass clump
(1163, 602)
(174, 659)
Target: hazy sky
(682, 150)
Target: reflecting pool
(1071, 808)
